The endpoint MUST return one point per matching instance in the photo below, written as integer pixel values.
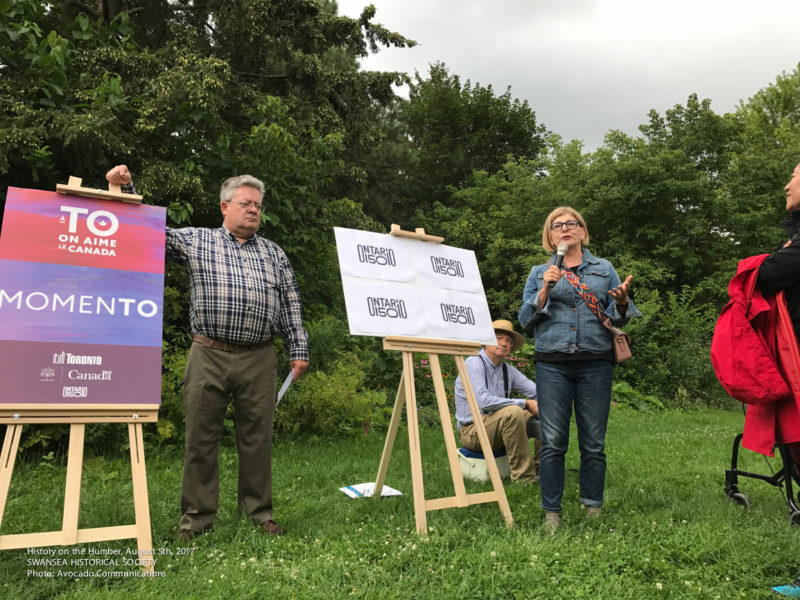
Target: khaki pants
(506, 429)
(213, 378)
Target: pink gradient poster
(81, 300)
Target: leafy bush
(38, 438)
(670, 345)
(624, 395)
(171, 427)
(331, 403)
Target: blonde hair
(557, 212)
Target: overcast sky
(588, 66)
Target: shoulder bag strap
(587, 295)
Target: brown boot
(551, 521)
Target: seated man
(505, 418)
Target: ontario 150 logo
(390, 308)
(454, 313)
(450, 267)
(376, 255)
(75, 391)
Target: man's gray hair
(230, 185)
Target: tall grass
(666, 531)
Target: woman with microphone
(573, 355)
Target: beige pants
(506, 429)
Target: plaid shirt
(242, 293)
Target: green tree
(762, 159)
(269, 88)
(459, 128)
(256, 86)
(655, 198)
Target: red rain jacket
(756, 357)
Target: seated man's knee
(514, 415)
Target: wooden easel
(114, 192)
(406, 392)
(14, 416)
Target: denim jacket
(565, 323)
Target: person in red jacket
(780, 271)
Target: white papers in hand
(285, 386)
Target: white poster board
(406, 287)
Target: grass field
(667, 529)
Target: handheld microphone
(562, 250)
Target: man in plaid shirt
(243, 291)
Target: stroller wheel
(741, 499)
(794, 518)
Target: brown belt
(209, 343)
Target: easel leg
(72, 492)
(141, 505)
(7, 459)
(447, 430)
(413, 444)
(483, 437)
(388, 445)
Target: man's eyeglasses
(246, 205)
(558, 225)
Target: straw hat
(507, 327)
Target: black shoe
(533, 429)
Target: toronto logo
(66, 358)
(101, 224)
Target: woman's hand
(620, 293)
(553, 274)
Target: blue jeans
(587, 384)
